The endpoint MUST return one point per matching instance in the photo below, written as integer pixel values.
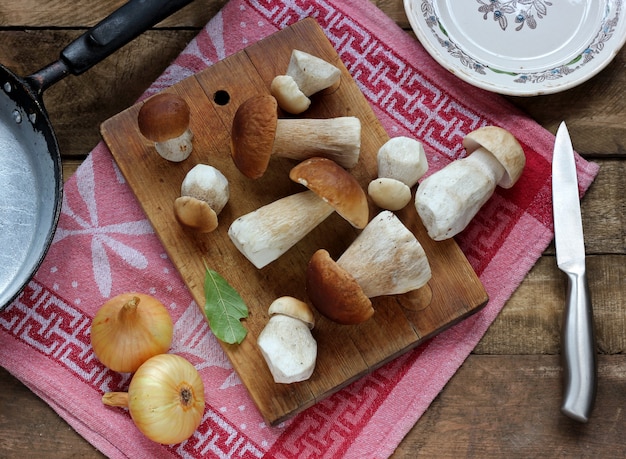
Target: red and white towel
(104, 246)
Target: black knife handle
(116, 30)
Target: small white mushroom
(286, 342)
(449, 199)
(204, 193)
(164, 119)
(289, 97)
(258, 134)
(402, 158)
(401, 163)
(265, 234)
(385, 259)
(306, 75)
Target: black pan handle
(106, 37)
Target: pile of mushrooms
(286, 342)
(268, 232)
(258, 135)
(449, 199)
(164, 120)
(306, 75)
(385, 259)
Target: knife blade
(577, 339)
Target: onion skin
(165, 399)
(129, 329)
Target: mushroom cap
(311, 73)
(292, 307)
(288, 95)
(336, 186)
(195, 214)
(389, 193)
(334, 292)
(252, 136)
(163, 117)
(503, 146)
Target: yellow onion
(129, 329)
(165, 399)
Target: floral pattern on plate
(522, 12)
(606, 32)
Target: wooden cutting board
(345, 353)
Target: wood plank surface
(344, 353)
(504, 400)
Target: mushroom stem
(338, 139)
(449, 199)
(386, 258)
(268, 232)
(286, 342)
(177, 149)
(311, 73)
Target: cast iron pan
(31, 181)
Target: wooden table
(504, 401)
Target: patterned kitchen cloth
(104, 246)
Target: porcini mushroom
(305, 76)
(385, 259)
(164, 119)
(403, 159)
(286, 342)
(401, 163)
(258, 134)
(449, 199)
(204, 193)
(269, 231)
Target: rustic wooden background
(505, 399)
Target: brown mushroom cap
(252, 137)
(195, 214)
(334, 292)
(335, 185)
(503, 146)
(163, 117)
(292, 307)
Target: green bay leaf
(224, 308)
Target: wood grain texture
(61, 13)
(510, 413)
(509, 385)
(344, 353)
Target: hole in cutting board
(221, 97)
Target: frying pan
(31, 182)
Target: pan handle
(109, 35)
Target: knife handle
(578, 350)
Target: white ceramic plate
(520, 47)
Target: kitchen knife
(577, 341)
